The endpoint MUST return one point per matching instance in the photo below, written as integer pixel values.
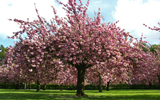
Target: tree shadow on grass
(23, 96)
(57, 91)
(123, 97)
(34, 91)
(71, 96)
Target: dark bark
(61, 87)
(159, 81)
(24, 86)
(17, 86)
(38, 86)
(100, 83)
(80, 81)
(29, 85)
(107, 88)
(44, 86)
(150, 85)
(73, 87)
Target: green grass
(8, 94)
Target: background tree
(2, 53)
(29, 60)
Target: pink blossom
(30, 70)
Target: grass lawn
(8, 94)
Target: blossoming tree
(77, 40)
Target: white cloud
(23, 9)
(132, 14)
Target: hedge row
(72, 87)
(34, 86)
(135, 86)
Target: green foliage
(2, 52)
(154, 47)
(87, 87)
(93, 87)
(135, 86)
(146, 47)
(10, 86)
(120, 86)
(34, 86)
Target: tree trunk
(38, 86)
(44, 87)
(73, 87)
(100, 83)
(159, 81)
(29, 85)
(61, 87)
(17, 85)
(150, 85)
(80, 81)
(24, 86)
(107, 88)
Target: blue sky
(130, 13)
